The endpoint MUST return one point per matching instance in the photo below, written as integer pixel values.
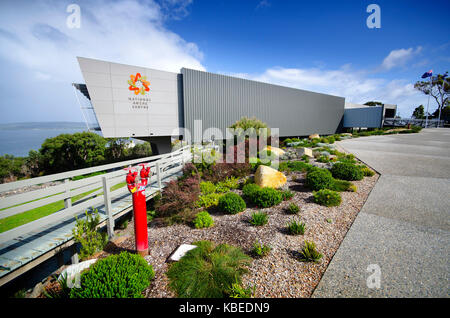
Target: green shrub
(85, 232)
(319, 179)
(259, 218)
(260, 249)
(309, 253)
(299, 166)
(202, 220)
(207, 187)
(287, 195)
(231, 203)
(208, 271)
(323, 159)
(305, 158)
(208, 200)
(367, 172)
(237, 291)
(293, 208)
(267, 197)
(227, 185)
(346, 171)
(341, 185)
(117, 276)
(250, 190)
(256, 162)
(327, 197)
(296, 228)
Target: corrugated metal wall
(370, 117)
(220, 100)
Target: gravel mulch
(280, 274)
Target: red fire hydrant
(139, 207)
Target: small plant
(250, 190)
(287, 195)
(231, 203)
(260, 249)
(117, 276)
(202, 220)
(327, 197)
(227, 185)
(309, 253)
(341, 185)
(237, 291)
(267, 197)
(151, 214)
(367, 172)
(305, 158)
(353, 188)
(207, 187)
(259, 219)
(293, 208)
(323, 159)
(62, 291)
(347, 171)
(86, 233)
(208, 200)
(296, 228)
(208, 271)
(330, 220)
(319, 179)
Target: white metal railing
(160, 166)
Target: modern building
(364, 116)
(153, 105)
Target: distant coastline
(18, 139)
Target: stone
(313, 136)
(72, 271)
(275, 150)
(305, 151)
(269, 177)
(180, 252)
(37, 290)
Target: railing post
(108, 208)
(158, 175)
(68, 200)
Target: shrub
(250, 190)
(228, 184)
(293, 208)
(327, 197)
(267, 197)
(319, 179)
(208, 271)
(367, 172)
(203, 219)
(341, 185)
(299, 166)
(231, 203)
(287, 195)
(178, 196)
(309, 253)
(296, 228)
(117, 276)
(208, 200)
(305, 158)
(259, 219)
(207, 187)
(323, 159)
(237, 291)
(346, 171)
(260, 249)
(85, 233)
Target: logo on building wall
(139, 84)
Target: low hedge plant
(327, 197)
(347, 171)
(231, 203)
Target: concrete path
(404, 226)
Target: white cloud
(399, 57)
(125, 31)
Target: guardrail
(67, 188)
(400, 122)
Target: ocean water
(19, 142)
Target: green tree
(72, 151)
(116, 148)
(372, 103)
(141, 150)
(419, 112)
(438, 88)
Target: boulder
(275, 150)
(269, 177)
(313, 136)
(305, 151)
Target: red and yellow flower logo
(144, 84)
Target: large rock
(305, 151)
(269, 177)
(313, 136)
(275, 150)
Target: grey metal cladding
(370, 117)
(220, 100)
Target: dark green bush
(299, 166)
(231, 203)
(267, 197)
(319, 179)
(208, 271)
(309, 253)
(346, 171)
(249, 190)
(259, 219)
(203, 219)
(341, 185)
(117, 276)
(327, 197)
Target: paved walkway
(404, 226)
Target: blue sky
(324, 46)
